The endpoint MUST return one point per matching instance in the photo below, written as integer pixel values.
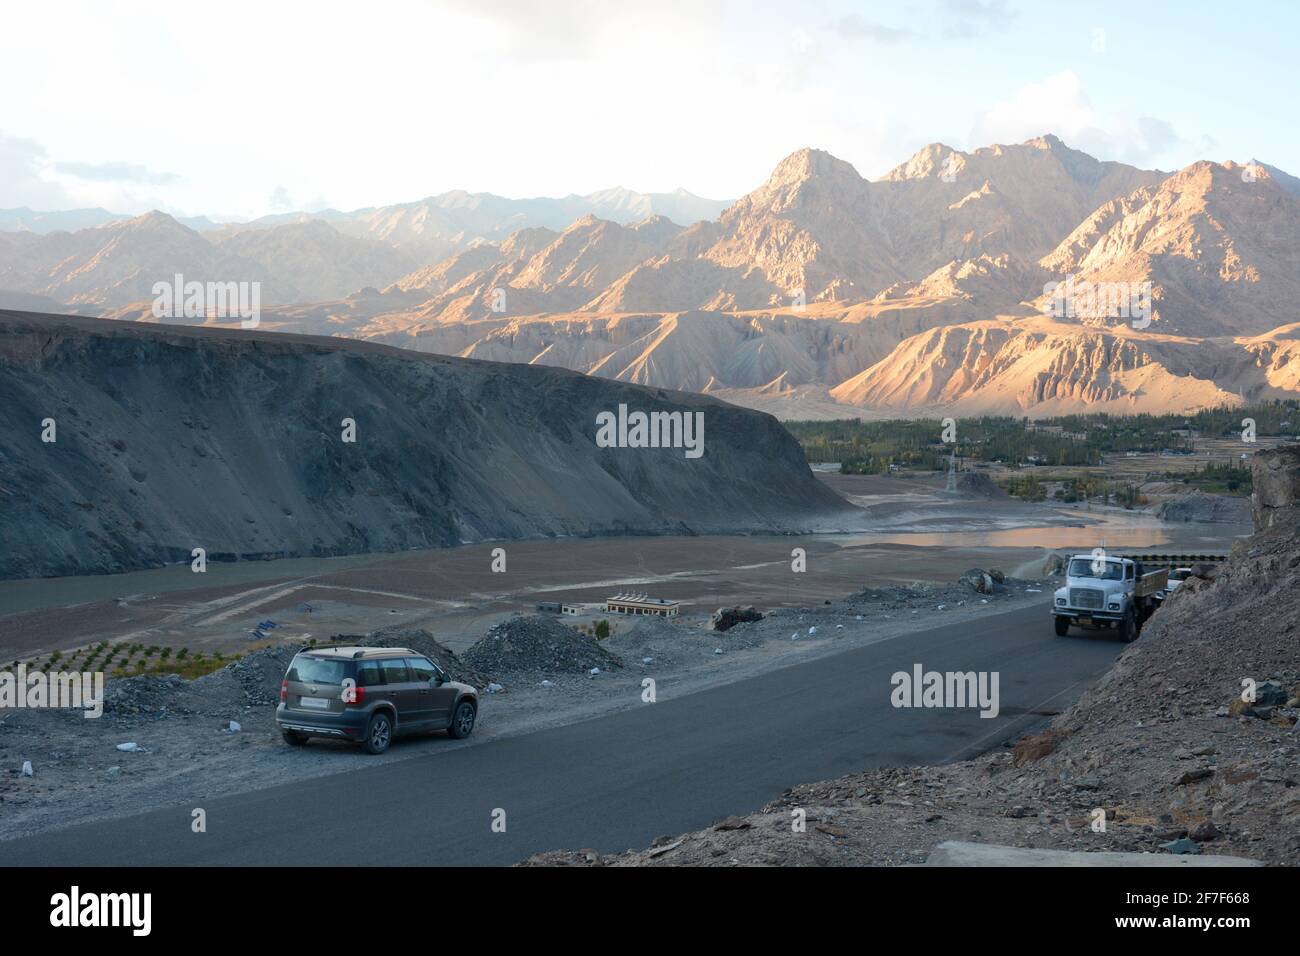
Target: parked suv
(368, 695)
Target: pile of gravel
(150, 695)
(538, 643)
(256, 675)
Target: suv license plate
(315, 703)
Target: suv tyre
(462, 721)
(379, 733)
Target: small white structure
(641, 604)
(572, 609)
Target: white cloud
(116, 172)
(23, 179)
(1059, 105)
(963, 19)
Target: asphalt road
(617, 781)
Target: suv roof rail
(359, 652)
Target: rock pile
(536, 643)
(725, 618)
(984, 582)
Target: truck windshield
(1082, 568)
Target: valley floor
(922, 542)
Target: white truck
(1105, 591)
(1176, 577)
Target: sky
(239, 109)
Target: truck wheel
(1062, 626)
(1128, 631)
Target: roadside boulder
(978, 580)
(725, 618)
(1270, 694)
(1204, 832)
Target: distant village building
(555, 607)
(641, 604)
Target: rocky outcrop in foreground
(1164, 747)
(171, 438)
(1276, 486)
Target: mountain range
(935, 288)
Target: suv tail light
(358, 698)
(284, 690)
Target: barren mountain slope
(437, 226)
(696, 350)
(536, 270)
(1219, 243)
(1041, 367)
(317, 260)
(904, 273)
(1019, 200)
(172, 438)
(118, 264)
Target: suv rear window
(317, 670)
(369, 674)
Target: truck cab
(1105, 591)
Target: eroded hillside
(169, 439)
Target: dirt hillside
(171, 438)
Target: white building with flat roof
(641, 604)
